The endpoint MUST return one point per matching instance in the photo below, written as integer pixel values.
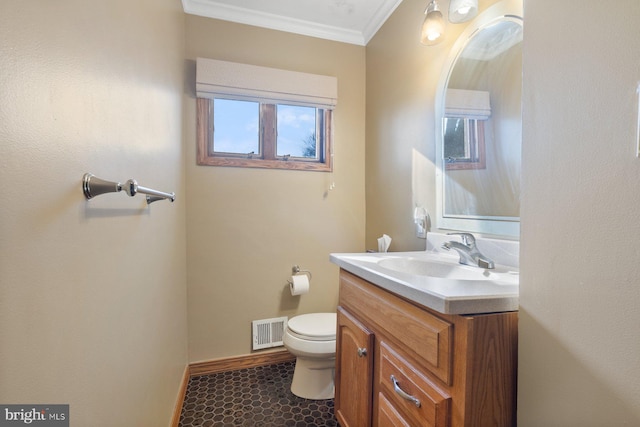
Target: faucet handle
(467, 238)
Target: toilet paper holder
(295, 270)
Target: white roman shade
(224, 79)
(469, 104)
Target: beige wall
(579, 291)
(92, 294)
(248, 227)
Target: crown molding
(379, 18)
(213, 9)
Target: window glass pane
(455, 146)
(236, 125)
(296, 131)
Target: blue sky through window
(296, 131)
(236, 126)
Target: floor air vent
(268, 332)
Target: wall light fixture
(462, 10)
(433, 25)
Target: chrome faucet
(468, 251)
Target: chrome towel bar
(93, 186)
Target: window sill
(264, 164)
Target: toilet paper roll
(299, 284)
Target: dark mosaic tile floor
(253, 397)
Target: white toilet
(312, 339)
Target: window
(253, 134)
(249, 116)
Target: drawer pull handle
(362, 352)
(403, 393)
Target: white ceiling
(348, 21)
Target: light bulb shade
(433, 26)
(462, 10)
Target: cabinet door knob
(362, 352)
(404, 394)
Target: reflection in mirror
(463, 143)
(480, 127)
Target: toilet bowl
(312, 339)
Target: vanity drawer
(423, 336)
(411, 394)
(388, 416)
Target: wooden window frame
(267, 158)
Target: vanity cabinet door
(354, 372)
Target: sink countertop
(448, 296)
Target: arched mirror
(479, 126)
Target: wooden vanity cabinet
(401, 364)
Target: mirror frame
(502, 226)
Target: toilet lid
(314, 325)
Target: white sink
(435, 279)
(433, 267)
